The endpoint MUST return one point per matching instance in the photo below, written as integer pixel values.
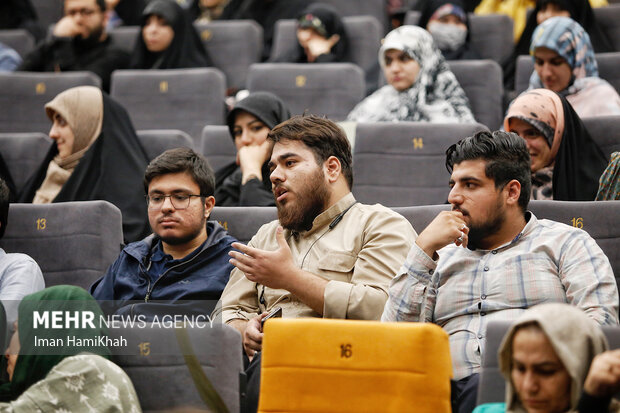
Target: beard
(478, 232)
(89, 42)
(185, 238)
(311, 200)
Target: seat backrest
(125, 37)
(420, 216)
(18, 39)
(364, 34)
(184, 99)
(375, 8)
(331, 89)
(607, 18)
(233, 46)
(217, 146)
(73, 242)
(157, 141)
(354, 366)
(155, 363)
(607, 69)
(605, 132)
(23, 153)
(482, 82)
(243, 222)
(402, 164)
(24, 94)
(48, 11)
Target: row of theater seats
(75, 242)
(395, 164)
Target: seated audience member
(545, 358)
(609, 183)
(421, 86)
(96, 155)
(9, 59)
(20, 275)
(187, 256)
(321, 36)
(566, 162)
(245, 182)
(205, 11)
(167, 39)
(71, 378)
(564, 62)
(79, 42)
(448, 23)
(327, 255)
(489, 258)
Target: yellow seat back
(320, 365)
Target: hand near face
(272, 269)
(67, 27)
(318, 45)
(446, 228)
(251, 158)
(253, 335)
(604, 376)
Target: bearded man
(79, 42)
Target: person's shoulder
(377, 214)
(15, 258)
(558, 230)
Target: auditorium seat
(155, 361)
(24, 94)
(23, 153)
(607, 18)
(184, 99)
(243, 222)
(73, 242)
(18, 39)
(125, 37)
(402, 164)
(354, 366)
(331, 89)
(217, 146)
(605, 130)
(157, 141)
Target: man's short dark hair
(101, 4)
(322, 136)
(4, 206)
(181, 160)
(506, 156)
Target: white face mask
(447, 36)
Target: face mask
(447, 36)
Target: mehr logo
(63, 319)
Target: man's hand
(604, 376)
(253, 335)
(273, 269)
(318, 46)
(67, 27)
(251, 159)
(446, 228)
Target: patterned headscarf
(567, 38)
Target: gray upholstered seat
(125, 37)
(23, 153)
(482, 82)
(243, 222)
(607, 18)
(18, 39)
(607, 68)
(233, 46)
(184, 99)
(24, 94)
(48, 11)
(157, 141)
(605, 130)
(402, 164)
(331, 89)
(73, 242)
(217, 146)
(155, 363)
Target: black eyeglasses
(179, 201)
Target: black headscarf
(186, 49)
(265, 106)
(112, 169)
(580, 11)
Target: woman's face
(553, 71)
(248, 130)
(550, 10)
(62, 134)
(401, 71)
(11, 353)
(157, 34)
(540, 152)
(538, 375)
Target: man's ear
(333, 168)
(513, 192)
(209, 204)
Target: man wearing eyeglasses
(79, 42)
(186, 257)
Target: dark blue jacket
(201, 278)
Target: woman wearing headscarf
(167, 39)
(609, 183)
(245, 182)
(420, 87)
(564, 62)
(545, 358)
(96, 155)
(61, 376)
(566, 162)
(321, 36)
(447, 22)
